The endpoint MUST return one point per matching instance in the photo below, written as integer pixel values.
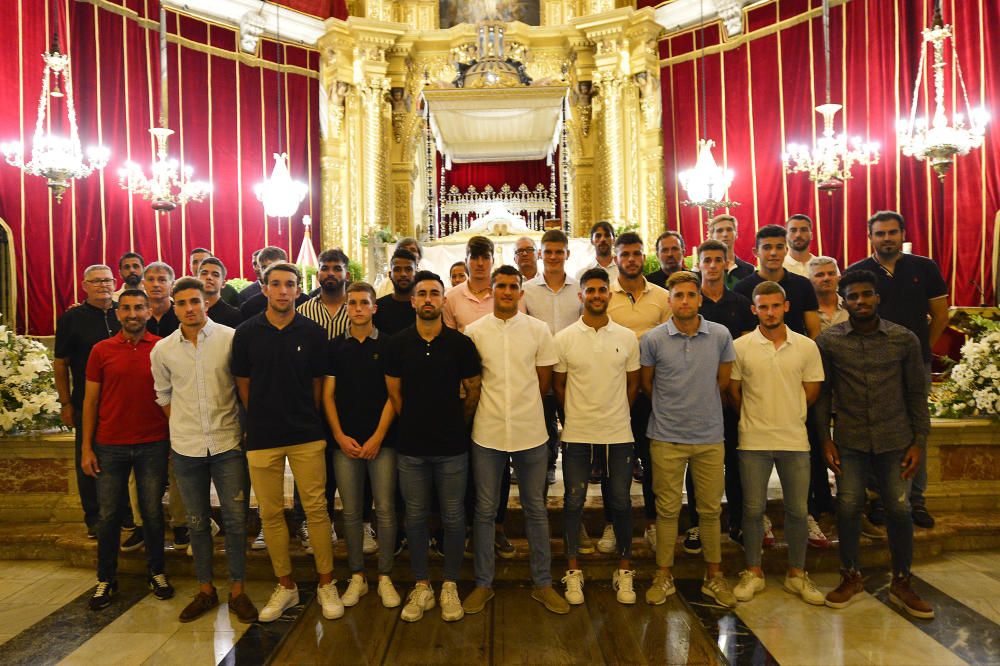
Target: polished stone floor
(44, 619)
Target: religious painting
(454, 12)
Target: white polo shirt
(611, 268)
(773, 416)
(595, 363)
(558, 309)
(510, 415)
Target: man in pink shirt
(473, 298)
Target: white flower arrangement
(28, 398)
(974, 387)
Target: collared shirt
(611, 268)
(281, 365)
(462, 307)
(904, 293)
(432, 421)
(197, 383)
(839, 315)
(687, 407)
(165, 325)
(127, 412)
(651, 309)
(335, 324)
(798, 290)
(248, 292)
(225, 314)
(510, 415)
(732, 311)
(393, 316)
(595, 363)
(740, 270)
(256, 304)
(798, 267)
(558, 309)
(77, 331)
(773, 414)
(659, 277)
(360, 392)
(877, 385)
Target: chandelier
(57, 158)
(830, 160)
(940, 143)
(170, 183)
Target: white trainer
(421, 599)
(356, 588)
(368, 544)
(573, 580)
(387, 592)
(805, 588)
(451, 605)
(329, 600)
(259, 543)
(622, 583)
(749, 585)
(281, 600)
(607, 544)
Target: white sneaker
(621, 582)
(369, 545)
(749, 585)
(805, 588)
(333, 533)
(816, 537)
(259, 543)
(451, 605)
(387, 592)
(303, 535)
(651, 536)
(421, 599)
(356, 588)
(573, 580)
(606, 544)
(281, 600)
(329, 600)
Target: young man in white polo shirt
(517, 354)
(596, 381)
(776, 375)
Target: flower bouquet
(28, 399)
(974, 387)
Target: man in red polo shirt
(125, 430)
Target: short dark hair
(427, 275)
(628, 238)
(410, 240)
(800, 216)
(214, 261)
(683, 277)
(130, 255)
(134, 292)
(197, 250)
(406, 255)
(723, 217)
(284, 266)
(271, 253)
(712, 244)
(884, 216)
(766, 288)
(333, 256)
(769, 231)
(596, 273)
(602, 224)
(856, 277)
(669, 234)
(555, 236)
(479, 246)
(457, 263)
(188, 283)
(363, 286)
(506, 269)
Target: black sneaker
(133, 542)
(637, 471)
(877, 515)
(400, 546)
(736, 536)
(922, 518)
(692, 541)
(182, 539)
(161, 587)
(91, 531)
(103, 594)
(550, 476)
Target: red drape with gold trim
(481, 174)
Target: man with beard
(130, 271)
(411, 245)
(799, 234)
(777, 373)
(394, 311)
(158, 280)
(602, 237)
(426, 366)
(670, 253)
(526, 256)
(124, 430)
(911, 291)
(257, 302)
(723, 228)
(868, 361)
(596, 381)
(212, 273)
(227, 293)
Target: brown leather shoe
(851, 584)
(244, 609)
(552, 600)
(201, 604)
(476, 601)
(901, 594)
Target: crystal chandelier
(830, 160)
(940, 143)
(170, 184)
(58, 159)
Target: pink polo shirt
(462, 307)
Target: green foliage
(239, 284)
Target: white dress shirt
(197, 384)
(558, 309)
(510, 415)
(611, 268)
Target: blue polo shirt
(687, 408)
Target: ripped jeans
(577, 462)
(228, 471)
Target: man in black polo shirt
(395, 310)
(279, 361)
(77, 331)
(723, 228)
(670, 253)
(911, 289)
(227, 293)
(157, 282)
(254, 302)
(212, 273)
(425, 364)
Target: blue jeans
(149, 461)
(578, 459)
(794, 472)
(416, 476)
(195, 475)
(351, 476)
(530, 466)
(855, 467)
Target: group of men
(719, 375)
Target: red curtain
(762, 88)
(481, 174)
(226, 120)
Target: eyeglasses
(524, 250)
(101, 281)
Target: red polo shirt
(127, 412)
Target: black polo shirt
(732, 311)
(798, 290)
(742, 270)
(257, 304)
(77, 331)
(230, 296)
(432, 422)
(903, 294)
(658, 277)
(393, 316)
(281, 365)
(167, 324)
(360, 394)
(248, 292)
(225, 314)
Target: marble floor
(44, 619)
